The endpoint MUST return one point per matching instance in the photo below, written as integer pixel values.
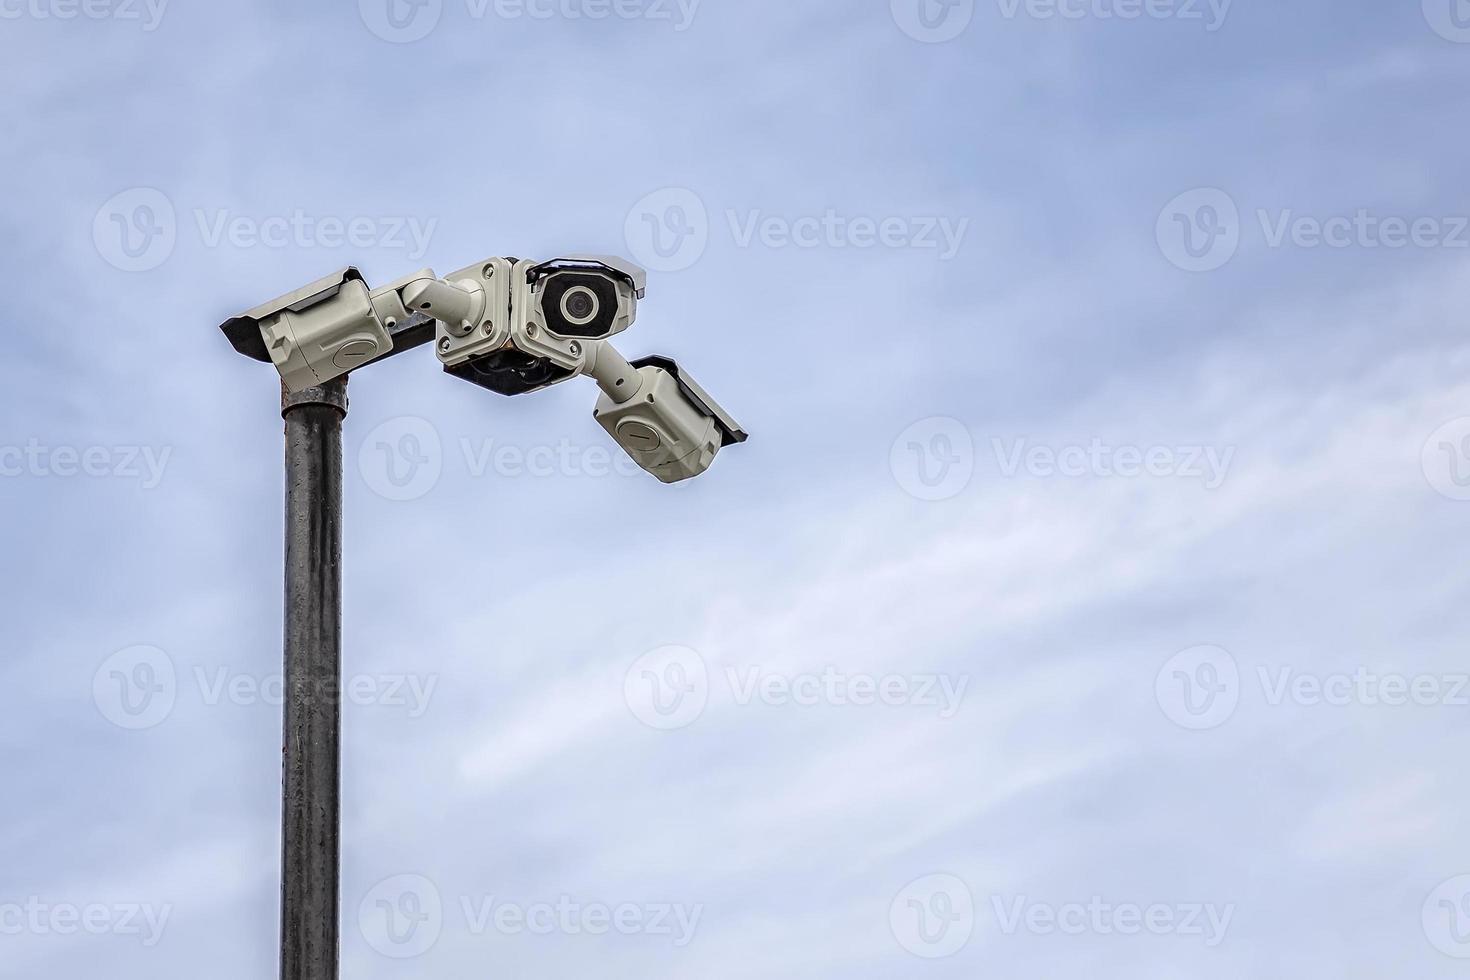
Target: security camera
(544, 315)
(329, 327)
(664, 421)
(315, 333)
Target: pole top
(333, 394)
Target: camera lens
(579, 305)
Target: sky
(1086, 601)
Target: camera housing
(316, 333)
(335, 325)
(668, 425)
(539, 319)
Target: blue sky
(1085, 603)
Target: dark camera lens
(580, 304)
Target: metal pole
(312, 756)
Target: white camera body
(332, 326)
(540, 319)
(320, 331)
(669, 427)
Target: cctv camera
(659, 416)
(330, 327)
(315, 333)
(542, 317)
